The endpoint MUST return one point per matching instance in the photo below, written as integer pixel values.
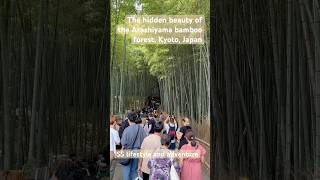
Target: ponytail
(191, 137)
(193, 143)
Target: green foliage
(178, 71)
(79, 19)
(159, 60)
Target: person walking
(123, 126)
(160, 166)
(191, 166)
(114, 140)
(132, 139)
(150, 144)
(147, 126)
(139, 121)
(185, 127)
(162, 117)
(124, 123)
(171, 127)
(152, 121)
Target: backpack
(172, 131)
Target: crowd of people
(149, 130)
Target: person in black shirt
(152, 122)
(123, 126)
(184, 129)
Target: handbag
(126, 161)
(173, 173)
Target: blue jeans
(130, 172)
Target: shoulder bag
(126, 161)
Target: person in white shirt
(151, 143)
(114, 140)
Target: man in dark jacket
(124, 125)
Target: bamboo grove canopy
(265, 74)
(179, 74)
(54, 80)
(266, 89)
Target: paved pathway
(118, 173)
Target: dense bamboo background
(265, 83)
(54, 80)
(266, 89)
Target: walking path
(118, 173)
(205, 172)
